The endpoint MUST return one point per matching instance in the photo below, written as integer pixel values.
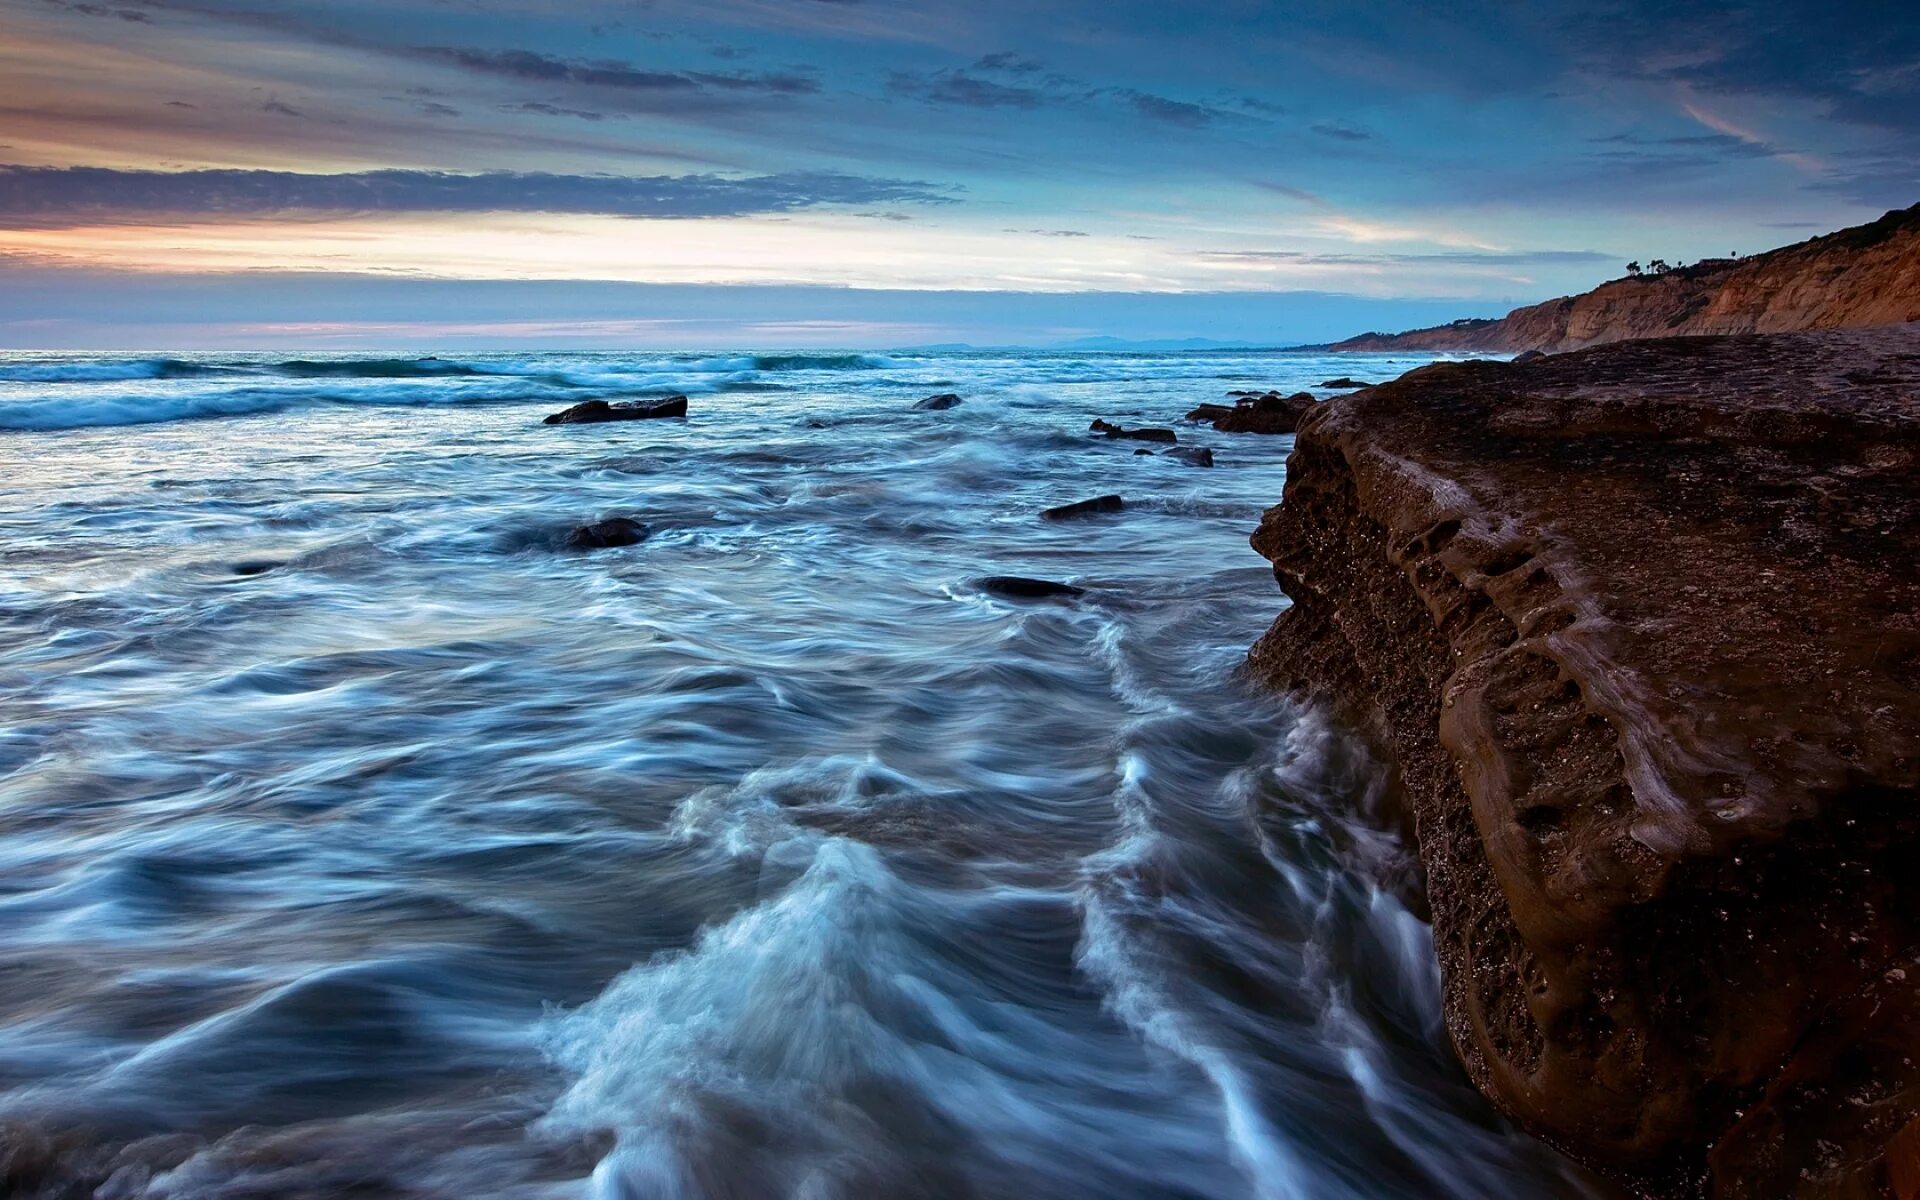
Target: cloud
(1502, 258)
(133, 15)
(541, 108)
(1342, 133)
(40, 196)
(1173, 112)
(962, 89)
(622, 76)
(1855, 57)
(1008, 61)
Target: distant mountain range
(1866, 275)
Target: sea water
(358, 838)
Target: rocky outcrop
(1641, 627)
(1867, 275)
(593, 412)
(1267, 412)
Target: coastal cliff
(1641, 627)
(1867, 275)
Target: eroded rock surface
(1641, 625)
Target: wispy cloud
(42, 195)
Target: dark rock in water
(1638, 625)
(1193, 456)
(1269, 412)
(1528, 356)
(604, 535)
(1083, 508)
(1142, 450)
(1140, 435)
(1346, 382)
(940, 403)
(1026, 589)
(1238, 393)
(816, 424)
(594, 411)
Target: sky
(187, 174)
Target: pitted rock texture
(1641, 626)
(1867, 275)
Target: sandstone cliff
(1641, 625)
(1867, 275)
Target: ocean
(357, 837)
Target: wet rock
(607, 534)
(595, 411)
(1020, 587)
(1268, 412)
(1527, 356)
(1084, 508)
(1346, 382)
(940, 403)
(1143, 450)
(1193, 456)
(1142, 435)
(1640, 626)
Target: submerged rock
(1083, 508)
(1193, 456)
(594, 411)
(1346, 382)
(1143, 435)
(1268, 412)
(940, 403)
(607, 534)
(1020, 587)
(1641, 627)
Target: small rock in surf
(1021, 587)
(943, 401)
(1346, 382)
(1193, 456)
(607, 534)
(594, 411)
(1143, 435)
(1085, 508)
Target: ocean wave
(108, 372)
(95, 411)
(822, 362)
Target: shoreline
(1659, 733)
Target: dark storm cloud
(623, 76)
(72, 195)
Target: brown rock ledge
(1641, 626)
